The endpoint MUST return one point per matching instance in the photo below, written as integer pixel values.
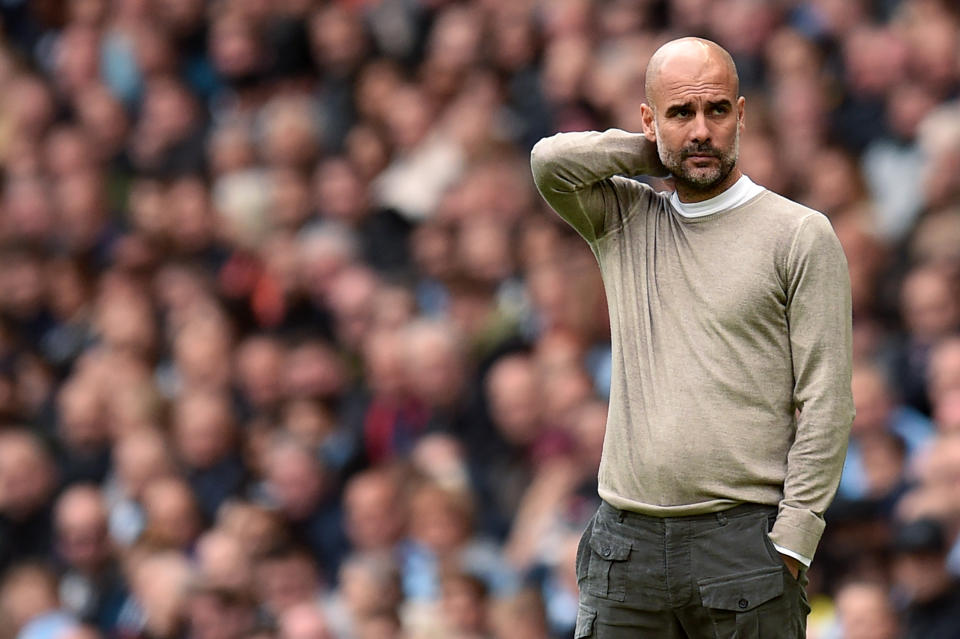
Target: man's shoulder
(792, 216)
(802, 232)
(787, 209)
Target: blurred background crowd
(290, 348)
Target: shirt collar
(742, 190)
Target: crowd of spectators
(290, 349)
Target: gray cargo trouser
(715, 576)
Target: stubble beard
(699, 179)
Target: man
(91, 584)
(28, 482)
(928, 592)
(864, 611)
(730, 402)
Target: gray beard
(673, 161)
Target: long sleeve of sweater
(583, 176)
(819, 319)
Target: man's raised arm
(583, 175)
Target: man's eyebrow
(721, 103)
(673, 109)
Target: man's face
(698, 164)
(695, 119)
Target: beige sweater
(731, 342)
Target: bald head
(689, 59)
(694, 116)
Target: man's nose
(699, 132)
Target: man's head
(928, 304)
(374, 509)
(173, 518)
(81, 524)
(515, 398)
(694, 115)
(28, 476)
(370, 583)
(295, 479)
(864, 611)
(919, 561)
(223, 561)
(943, 369)
(286, 577)
(873, 399)
(303, 621)
(204, 432)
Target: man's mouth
(700, 153)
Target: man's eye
(719, 110)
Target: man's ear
(741, 112)
(646, 119)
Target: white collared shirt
(742, 190)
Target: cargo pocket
(586, 616)
(583, 554)
(733, 601)
(606, 569)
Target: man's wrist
(806, 561)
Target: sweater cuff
(797, 529)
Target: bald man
(730, 401)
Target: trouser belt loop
(620, 515)
(722, 518)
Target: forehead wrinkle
(685, 93)
(717, 87)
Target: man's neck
(688, 195)
(740, 192)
